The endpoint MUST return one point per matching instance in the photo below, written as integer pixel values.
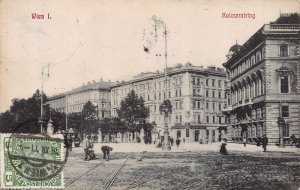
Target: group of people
(261, 141)
(88, 145)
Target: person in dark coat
(106, 150)
(293, 139)
(178, 142)
(258, 141)
(223, 149)
(264, 142)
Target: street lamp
(41, 119)
(282, 73)
(160, 23)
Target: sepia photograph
(150, 95)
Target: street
(191, 166)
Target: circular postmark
(36, 157)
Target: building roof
(101, 85)
(235, 47)
(178, 68)
(292, 18)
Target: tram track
(108, 185)
(111, 181)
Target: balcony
(227, 108)
(271, 28)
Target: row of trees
(24, 114)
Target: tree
(166, 108)
(24, 114)
(7, 121)
(133, 112)
(89, 118)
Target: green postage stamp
(31, 161)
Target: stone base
(166, 147)
(166, 143)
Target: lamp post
(282, 73)
(160, 23)
(41, 119)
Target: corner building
(98, 93)
(197, 96)
(264, 83)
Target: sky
(88, 40)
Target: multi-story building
(197, 96)
(98, 93)
(264, 83)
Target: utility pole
(160, 23)
(41, 119)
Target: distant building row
(197, 96)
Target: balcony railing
(227, 108)
(281, 27)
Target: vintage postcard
(138, 94)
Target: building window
(220, 83)
(286, 130)
(198, 81)
(206, 82)
(220, 119)
(199, 119)
(207, 106)
(283, 51)
(213, 105)
(214, 119)
(220, 106)
(207, 93)
(180, 119)
(213, 82)
(213, 94)
(187, 132)
(199, 105)
(220, 94)
(284, 84)
(285, 111)
(207, 119)
(169, 94)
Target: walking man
(86, 144)
(264, 142)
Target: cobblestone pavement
(191, 166)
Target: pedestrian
(258, 141)
(293, 139)
(106, 151)
(245, 141)
(69, 142)
(172, 141)
(178, 142)
(86, 144)
(223, 149)
(264, 142)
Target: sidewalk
(192, 147)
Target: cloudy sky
(88, 40)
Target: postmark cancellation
(31, 161)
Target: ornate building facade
(197, 96)
(264, 83)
